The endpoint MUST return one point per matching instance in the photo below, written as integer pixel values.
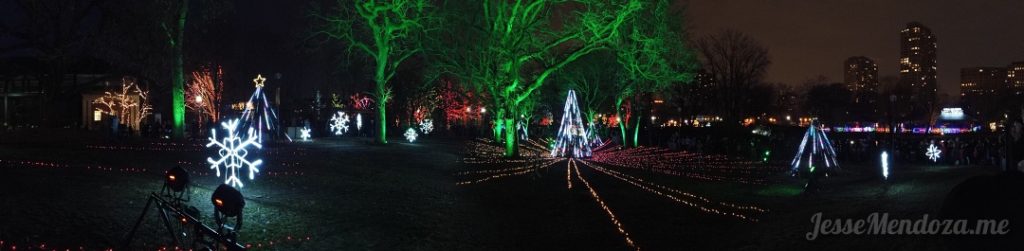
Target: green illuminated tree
(517, 45)
(384, 30)
(654, 56)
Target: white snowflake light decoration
(933, 153)
(233, 153)
(359, 121)
(339, 123)
(427, 126)
(304, 133)
(410, 135)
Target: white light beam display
(359, 121)
(233, 153)
(820, 148)
(885, 165)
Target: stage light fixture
(176, 179)
(227, 202)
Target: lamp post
(199, 103)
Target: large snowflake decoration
(304, 133)
(339, 123)
(933, 153)
(233, 153)
(410, 135)
(427, 126)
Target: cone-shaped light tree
(511, 48)
(654, 56)
(815, 152)
(572, 133)
(385, 30)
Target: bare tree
(737, 62)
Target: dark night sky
(805, 38)
(808, 38)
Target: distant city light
(954, 113)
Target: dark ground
(349, 195)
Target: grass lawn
(71, 189)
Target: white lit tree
(572, 133)
(130, 104)
(203, 93)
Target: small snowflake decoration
(339, 123)
(304, 133)
(410, 135)
(233, 153)
(933, 153)
(427, 126)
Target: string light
(233, 153)
(611, 215)
(511, 172)
(702, 203)
(688, 164)
(571, 134)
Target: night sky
(810, 38)
(805, 38)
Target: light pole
(199, 103)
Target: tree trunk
(498, 124)
(511, 146)
(623, 124)
(382, 95)
(636, 131)
(382, 121)
(178, 74)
